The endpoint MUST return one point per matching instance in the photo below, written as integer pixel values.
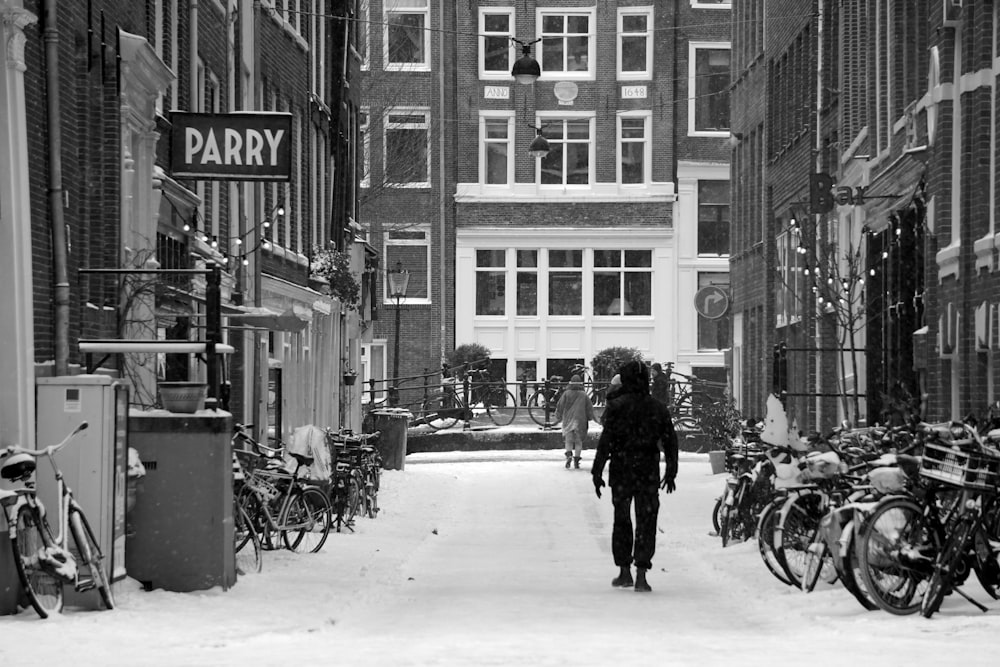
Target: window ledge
(984, 250)
(476, 193)
(948, 261)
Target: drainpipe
(60, 254)
(443, 267)
(820, 227)
(193, 55)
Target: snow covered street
(503, 558)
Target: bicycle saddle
(302, 460)
(17, 466)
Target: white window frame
(550, 116)
(620, 271)
(386, 126)
(646, 11)
(693, 48)
(365, 33)
(647, 154)
(426, 243)
(726, 4)
(390, 8)
(495, 75)
(365, 129)
(483, 141)
(505, 270)
(579, 75)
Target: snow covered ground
(503, 558)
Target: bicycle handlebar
(45, 451)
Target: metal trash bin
(391, 423)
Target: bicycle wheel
(686, 422)
(542, 408)
(985, 563)
(948, 561)
(501, 406)
(247, 542)
(818, 555)
(249, 500)
(729, 520)
(90, 556)
(371, 493)
(305, 521)
(717, 514)
(797, 525)
(896, 550)
(33, 538)
(766, 524)
(439, 411)
(850, 573)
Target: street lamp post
(398, 281)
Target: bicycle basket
(263, 485)
(966, 468)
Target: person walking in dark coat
(661, 384)
(636, 429)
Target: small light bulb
(246, 262)
(187, 227)
(239, 241)
(872, 272)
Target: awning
(291, 320)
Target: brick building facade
(602, 242)
(885, 283)
(88, 132)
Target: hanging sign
(234, 146)
(711, 302)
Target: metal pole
(395, 354)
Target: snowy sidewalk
(503, 558)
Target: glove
(668, 484)
(598, 483)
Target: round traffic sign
(711, 302)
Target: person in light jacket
(576, 413)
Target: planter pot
(350, 379)
(718, 461)
(184, 397)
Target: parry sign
(233, 146)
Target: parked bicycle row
(286, 499)
(900, 517)
(475, 395)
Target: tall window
(635, 43)
(788, 286)
(708, 106)
(491, 282)
(633, 148)
(527, 282)
(406, 36)
(496, 27)
(713, 334)
(623, 282)
(365, 139)
(713, 217)
(565, 282)
(496, 166)
(407, 150)
(410, 246)
(568, 159)
(566, 47)
(362, 41)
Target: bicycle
(975, 468)
(542, 403)
(280, 507)
(371, 473)
(42, 560)
(443, 409)
(347, 483)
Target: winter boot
(640, 581)
(569, 457)
(576, 462)
(624, 578)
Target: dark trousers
(644, 495)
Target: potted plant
(333, 267)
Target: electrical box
(94, 463)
